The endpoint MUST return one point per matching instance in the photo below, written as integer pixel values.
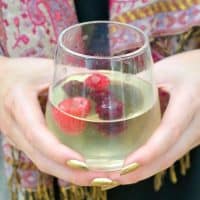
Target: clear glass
(103, 102)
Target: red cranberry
(109, 109)
(74, 88)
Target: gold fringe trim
(172, 174)
(185, 164)
(44, 192)
(155, 8)
(185, 37)
(72, 193)
(82, 193)
(20, 164)
(30, 194)
(182, 166)
(158, 180)
(187, 161)
(14, 181)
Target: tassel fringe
(82, 193)
(158, 180)
(44, 192)
(184, 166)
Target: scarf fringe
(82, 193)
(44, 192)
(185, 164)
(14, 181)
(41, 193)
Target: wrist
(4, 75)
(3, 63)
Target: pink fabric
(119, 6)
(33, 25)
(159, 25)
(31, 28)
(162, 23)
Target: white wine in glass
(103, 102)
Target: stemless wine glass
(103, 102)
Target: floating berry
(110, 109)
(99, 96)
(97, 82)
(68, 110)
(74, 88)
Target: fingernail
(76, 164)
(104, 188)
(129, 168)
(102, 182)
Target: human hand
(179, 130)
(22, 121)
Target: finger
(183, 145)
(6, 127)
(25, 109)
(170, 78)
(50, 167)
(177, 117)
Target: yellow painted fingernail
(129, 168)
(76, 164)
(102, 182)
(104, 188)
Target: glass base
(104, 164)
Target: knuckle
(193, 101)
(149, 152)
(56, 158)
(79, 179)
(6, 127)
(149, 156)
(11, 142)
(7, 103)
(41, 166)
(175, 131)
(167, 163)
(10, 99)
(29, 137)
(4, 130)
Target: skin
(178, 132)
(22, 121)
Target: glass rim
(118, 57)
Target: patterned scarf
(32, 30)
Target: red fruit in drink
(74, 88)
(99, 96)
(97, 82)
(110, 108)
(67, 111)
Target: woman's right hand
(22, 121)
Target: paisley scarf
(31, 28)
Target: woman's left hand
(179, 130)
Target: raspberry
(97, 82)
(68, 108)
(74, 88)
(99, 96)
(110, 109)
(112, 128)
